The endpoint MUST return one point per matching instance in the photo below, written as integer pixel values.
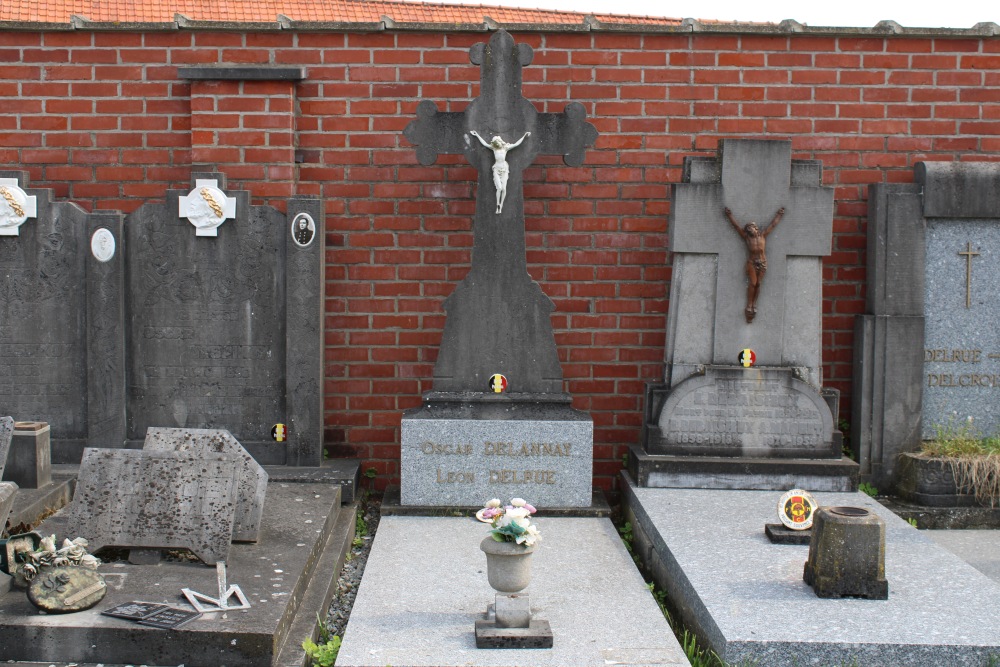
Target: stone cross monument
(742, 403)
(469, 441)
(498, 317)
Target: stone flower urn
(508, 564)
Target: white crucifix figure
(501, 170)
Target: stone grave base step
(344, 472)
(717, 472)
(944, 518)
(288, 577)
(391, 506)
(746, 599)
(424, 588)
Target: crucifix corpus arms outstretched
(501, 170)
(498, 317)
(756, 256)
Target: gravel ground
(350, 577)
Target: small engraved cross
(969, 254)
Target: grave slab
(276, 574)
(251, 479)
(747, 599)
(135, 498)
(425, 586)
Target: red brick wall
(104, 120)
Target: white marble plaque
(206, 207)
(16, 206)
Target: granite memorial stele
(742, 404)
(498, 423)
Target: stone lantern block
(847, 554)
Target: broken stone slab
(251, 477)
(159, 500)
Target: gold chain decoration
(13, 202)
(212, 204)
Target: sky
(840, 13)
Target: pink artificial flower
(531, 510)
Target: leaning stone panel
(251, 477)
(166, 500)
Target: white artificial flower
(523, 522)
(494, 503)
(48, 543)
(518, 502)
(517, 513)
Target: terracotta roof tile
(240, 11)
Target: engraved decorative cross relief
(498, 318)
(969, 253)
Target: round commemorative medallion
(747, 358)
(102, 245)
(796, 509)
(303, 229)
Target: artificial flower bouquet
(511, 523)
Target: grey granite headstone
(60, 324)
(158, 500)
(498, 318)
(926, 353)
(709, 405)
(251, 477)
(6, 434)
(225, 330)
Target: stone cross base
(508, 624)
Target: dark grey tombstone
(251, 479)
(60, 325)
(498, 318)
(768, 425)
(922, 354)
(226, 331)
(6, 435)
(156, 500)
